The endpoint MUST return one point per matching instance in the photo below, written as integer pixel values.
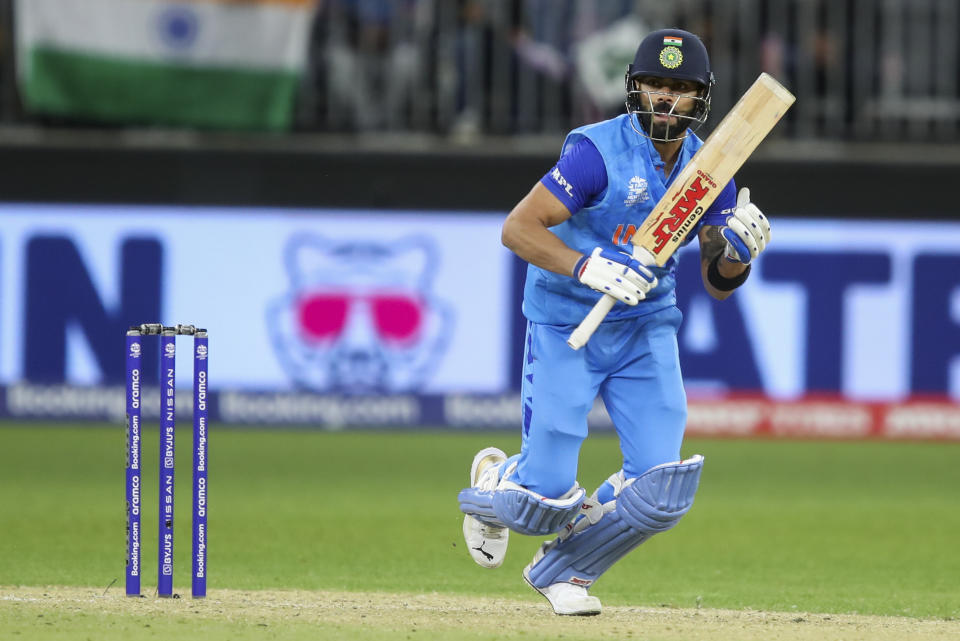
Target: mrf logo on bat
(683, 215)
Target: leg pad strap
(514, 506)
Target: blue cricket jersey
(605, 213)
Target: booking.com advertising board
(339, 318)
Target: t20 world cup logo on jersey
(637, 191)
(360, 317)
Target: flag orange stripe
(295, 3)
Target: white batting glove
(747, 231)
(615, 273)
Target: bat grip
(586, 328)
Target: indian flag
(205, 63)
(673, 40)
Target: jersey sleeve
(579, 178)
(722, 207)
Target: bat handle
(586, 328)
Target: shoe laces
(574, 590)
(489, 477)
(491, 531)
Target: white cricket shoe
(566, 598)
(486, 543)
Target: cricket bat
(698, 184)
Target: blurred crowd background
(865, 70)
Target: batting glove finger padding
(617, 274)
(747, 231)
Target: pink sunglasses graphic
(396, 318)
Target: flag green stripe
(119, 90)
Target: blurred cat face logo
(360, 317)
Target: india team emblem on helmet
(360, 316)
(671, 57)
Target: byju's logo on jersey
(636, 191)
(360, 317)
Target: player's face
(664, 96)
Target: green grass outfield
(822, 527)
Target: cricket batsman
(574, 229)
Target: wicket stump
(168, 352)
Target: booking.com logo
(360, 317)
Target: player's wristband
(723, 283)
(579, 267)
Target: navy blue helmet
(675, 54)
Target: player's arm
(726, 251)
(577, 179)
(712, 247)
(526, 232)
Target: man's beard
(673, 126)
